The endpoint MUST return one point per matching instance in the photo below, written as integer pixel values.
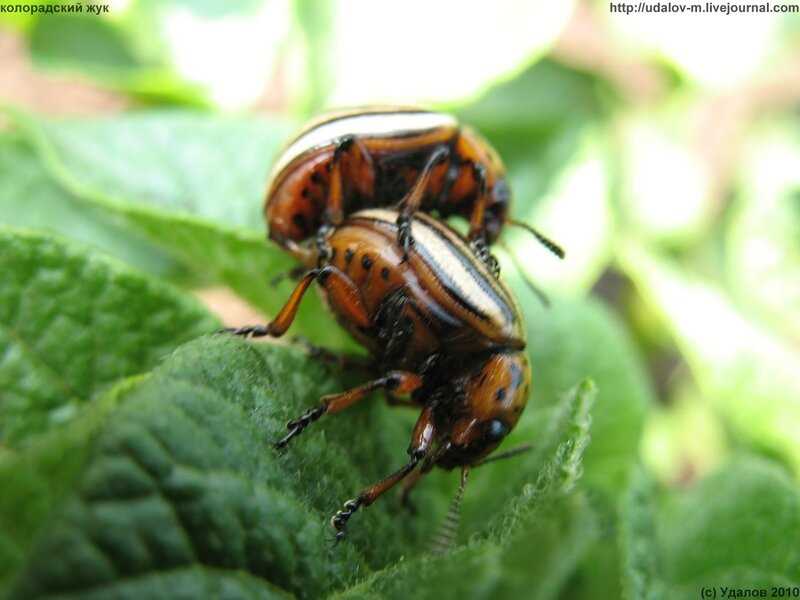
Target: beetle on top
(409, 158)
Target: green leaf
(171, 484)
(641, 554)
(82, 41)
(736, 528)
(176, 487)
(191, 184)
(114, 52)
(31, 198)
(71, 324)
(559, 474)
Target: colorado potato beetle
(388, 156)
(441, 328)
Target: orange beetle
(387, 156)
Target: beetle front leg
(342, 293)
(482, 252)
(476, 224)
(420, 446)
(413, 199)
(278, 326)
(351, 162)
(400, 382)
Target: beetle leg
(421, 441)
(344, 296)
(342, 293)
(333, 208)
(412, 200)
(401, 382)
(394, 329)
(476, 226)
(481, 250)
(352, 162)
(323, 248)
(401, 334)
(306, 254)
(278, 326)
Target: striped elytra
(373, 157)
(454, 303)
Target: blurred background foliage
(662, 152)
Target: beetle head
(490, 401)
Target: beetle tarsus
(252, 331)
(340, 519)
(324, 252)
(343, 145)
(404, 237)
(482, 252)
(297, 426)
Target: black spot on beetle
(366, 262)
(304, 193)
(500, 395)
(392, 382)
(315, 178)
(496, 430)
(385, 273)
(348, 255)
(299, 221)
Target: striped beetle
(440, 328)
(384, 156)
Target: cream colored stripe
(443, 255)
(362, 125)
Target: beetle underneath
(441, 328)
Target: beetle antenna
(541, 238)
(446, 536)
(507, 454)
(537, 291)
